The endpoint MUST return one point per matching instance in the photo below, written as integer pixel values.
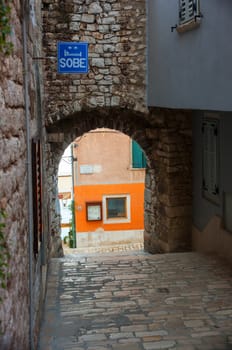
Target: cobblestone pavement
(104, 249)
(137, 301)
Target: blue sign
(72, 57)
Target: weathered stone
(163, 344)
(95, 8)
(103, 28)
(86, 18)
(108, 20)
(109, 48)
(98, 62)
(74, 26)
(14, 95)
(115, 100)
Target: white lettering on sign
(72, 62)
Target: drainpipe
(73, 202)
(29, 178)
(146, 53)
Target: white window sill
(116, 221)
(191, 25)
(137, 169)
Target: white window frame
(116, 220)
(188, 10)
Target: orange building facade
(109, 174)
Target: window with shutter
(227, 210)
(210, 167)
(188, 10)
(37, 194)
(138, 157)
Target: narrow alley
(138, 301)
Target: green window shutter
(138, 157)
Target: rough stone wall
(168, 194)
(14, 308)
(13, 187)
(112, 95)
(115, 31)
(116, 34)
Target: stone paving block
(205, 334)
(138, 318)
(90, 307)
(151, 333)
(133, 328)
(129, 340)
(92, 337)
(188, 341)
(129, 346)
(186, 347)
(153, 338)
(94, 348)
(120, 335)
(164, 344)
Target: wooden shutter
(210, 157)
(37, 194)
(188, 9)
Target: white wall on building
(191, 69)
(65, 165)
(65, 190)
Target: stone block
(108, 20)
(148, 196)
(87, 18)
(95, 8)
(98, 62)
(115, 101)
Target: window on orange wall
(116, 208)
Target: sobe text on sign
(72, 57)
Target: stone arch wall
(169, 195)
(113, 94)
(115, 31)
(165, 136)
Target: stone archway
(113, 94)
(165, 137)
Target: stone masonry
(115, 31)
(13, 192)
(15, 300)
(165, 136)
(112, 94)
